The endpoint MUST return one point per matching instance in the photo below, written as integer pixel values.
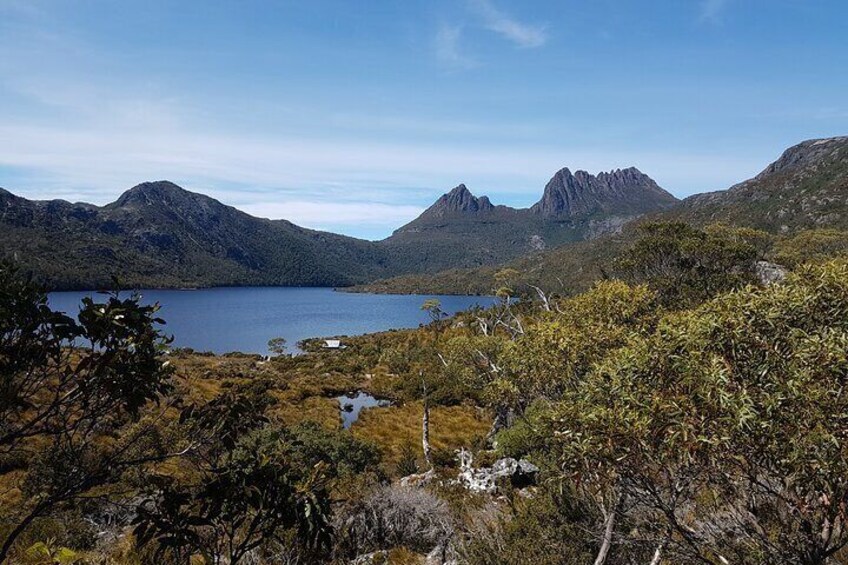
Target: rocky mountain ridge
(159, 234)
(462, 230)
(805, 188)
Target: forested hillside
(160, 235)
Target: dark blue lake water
(244, 319)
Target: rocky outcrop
(804, 154)
(457, 201)
(520, 473)
(769, 273)
(581, 194)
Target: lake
(244, 319)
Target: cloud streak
(330, 215)
(521, 34)
(448, 50)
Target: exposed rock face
(537, 242)
(570, 195)
(460, 230)
(606, 226)
(804, 154)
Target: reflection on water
(351, 404)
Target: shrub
(395, 516)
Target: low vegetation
(679, 410)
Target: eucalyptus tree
(239, 491)
(725, 428)
(67, 387)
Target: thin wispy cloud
(521, 34)
(448, 49)
(329, 214)
(711, 11)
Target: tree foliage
(66, 384)
(686, 265)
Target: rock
(484, 479)
(442, 555)
(459, 200)
(581, 194)
(418, 479)
(527, 468)
(537, 242)
(769, 273)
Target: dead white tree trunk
(425, 425)
(543, 297)
(609, 527)
(658, 553)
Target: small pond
(352, 403)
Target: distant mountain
(623, 192)
(806, 188)
(462, 230)
(158, 234)
(457, 201)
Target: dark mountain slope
(807, 187)
(157, 234)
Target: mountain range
(805, 189)
(157, 234)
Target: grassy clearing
(393, 428)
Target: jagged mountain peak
(624, 191)
(460, 199)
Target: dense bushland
(680, 411)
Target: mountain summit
(461, 230)
(156, 193)
(457, 201)
(622, 191)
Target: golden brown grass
(394, 427)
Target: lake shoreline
(243, 319)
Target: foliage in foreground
(685, 414)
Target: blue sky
(353, 116)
